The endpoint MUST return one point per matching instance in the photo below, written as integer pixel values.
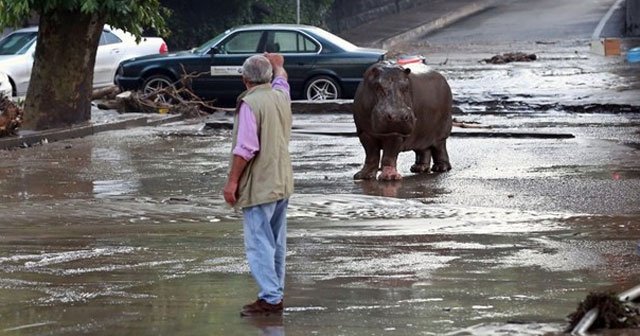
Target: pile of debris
(605, 311)
(10, 117)
(511, 57)
(178, 98)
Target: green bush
(194, 22)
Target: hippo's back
(432, 106)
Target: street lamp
(297, 11)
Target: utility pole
(298, 11)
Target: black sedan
(320, 65)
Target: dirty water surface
(127, 231)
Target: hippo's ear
(373, 73)
(407, 71)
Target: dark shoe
(253, 303)
(262, 308)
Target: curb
(30, 138)
(445, 20)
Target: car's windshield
(17, 43)
(207, 45)
(337, 40)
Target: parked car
(320, 65)
(17, 50)
(5, 85)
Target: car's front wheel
(158, 87)
(322, 88)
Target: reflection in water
(411, 186)
(114, 188)
(381, 188)
(43, 176)
(117, 162)
(268, 326)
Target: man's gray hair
(257, 70)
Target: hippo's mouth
(393, 130)
(392, 134)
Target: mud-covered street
(126, 232)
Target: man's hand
(230, 191)
(276, 60)
(277, 63)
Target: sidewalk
(101, 120)
(421, 20)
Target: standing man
(260, 178)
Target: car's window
(242, 43)
(337, 40)
(291, 42)
(205, 47)
(17, 43)
(109, 38)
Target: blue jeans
(265, 241)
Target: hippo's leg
(423, 160)
(440, 157)
(372, 158)
(390, 150)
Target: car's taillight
(163, 48)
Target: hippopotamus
(400, 108)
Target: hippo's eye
(377, 84)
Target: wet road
(516, 21)
(128, 230)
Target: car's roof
(276, 26)
(28, 29)
(35, 29)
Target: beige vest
(268, 177)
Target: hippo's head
(391, 88)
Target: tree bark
(60, 89)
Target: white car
(17, 50)
(5, 86)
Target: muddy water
(127, 231)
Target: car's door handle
(115, 51)
(301, 63)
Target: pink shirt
(248, 143)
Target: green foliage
(194, 22)
(284, 11)
(130, 15)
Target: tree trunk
(60, 89)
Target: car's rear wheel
(322, 88)
(159, 87)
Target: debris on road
(606, 311)
(175, 99)
(109, 92)
(511, 57)
(468, 124)
(10, 117)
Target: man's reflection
(268, 326)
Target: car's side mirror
(215, 51)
